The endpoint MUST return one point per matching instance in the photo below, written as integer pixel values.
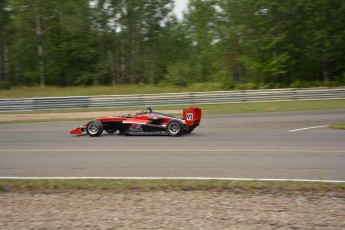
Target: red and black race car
(143, 123)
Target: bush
(298, 84)
(177, 75)
(5, 85)
(247, 86)
(206, 86)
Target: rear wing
(192, 116)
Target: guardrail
(214, 97)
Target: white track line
(315, 127)
(170, 150)
(169, 178)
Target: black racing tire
(190, 129)
(110, 130)
(175, 128)
(94, 128)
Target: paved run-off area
(171, 210)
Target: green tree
(261, 43)
(4, 55)
(132, 31)
(53, 42)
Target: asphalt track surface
(258, 146)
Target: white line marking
(170, 178)
(315, 127)
(173, 150)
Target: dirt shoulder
(169, 210)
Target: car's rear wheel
(175, 128)
(190, 129)
(94, 128)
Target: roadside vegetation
(338, 126)
(223, 44)
(231, 108)
(53, 91)
(120, 185)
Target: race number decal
(190, 117)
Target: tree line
(227, 43)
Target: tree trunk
(6, 61)
(1, 62)
(154, 61)
(17, 72)
(325, 73)
(111, 66)
(39, 47)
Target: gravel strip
(169, 210)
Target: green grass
(53, 91)
(232, 108)
(168, 185)
(338, 126)
(229, 108)
(283, 106)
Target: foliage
(231, 43)
(53, 91)
(338, 126)
(166, 185)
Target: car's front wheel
(94, 128)
(175, 128)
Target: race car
(143, 123)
